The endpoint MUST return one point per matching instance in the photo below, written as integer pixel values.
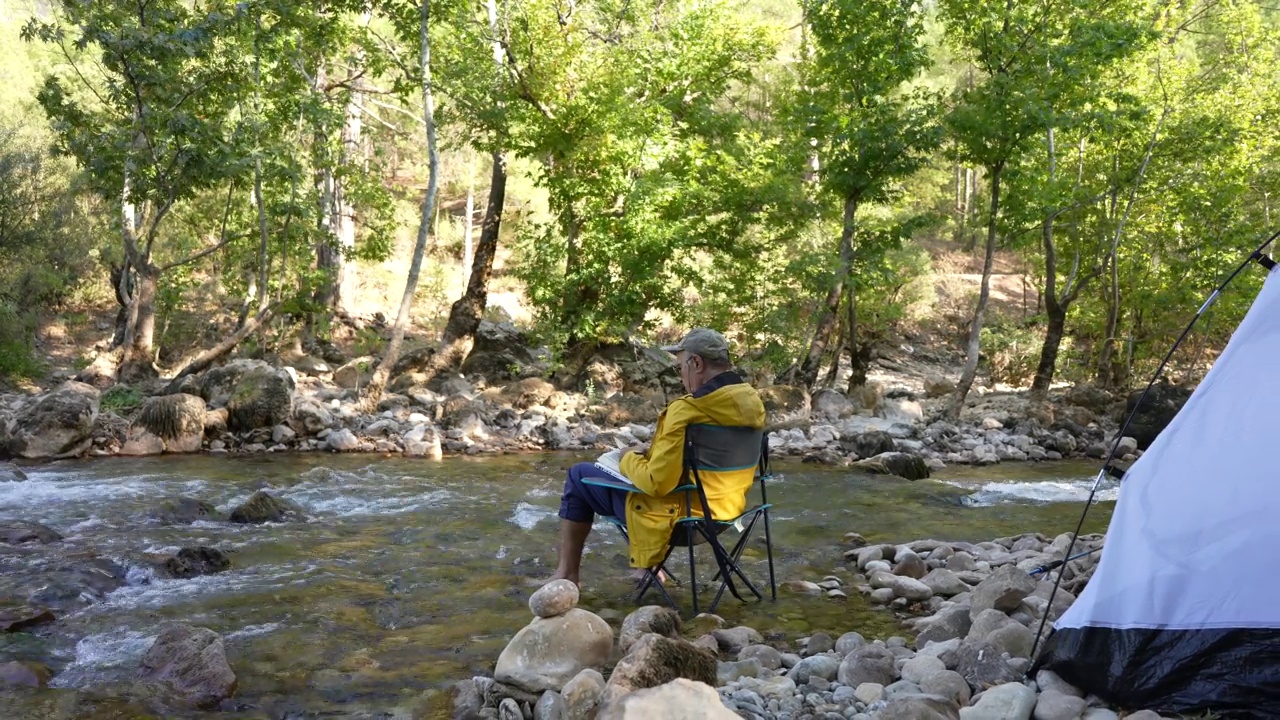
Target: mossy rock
(173, 416)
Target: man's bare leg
(573, 538)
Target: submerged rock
(263, 507)
(16, 532)
(11, 473)
(190, 562)
(184, 511)
(21, 617)
(20, 673)
(904, 465)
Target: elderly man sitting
(716, 396)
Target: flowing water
(411, 574)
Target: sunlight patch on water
(314, 500)
(97, 655)
(252, 630)
(164, 592)
(526, 516)
(1046, 491)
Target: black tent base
(1233, 672)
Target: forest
(249, 176)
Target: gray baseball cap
(703, 342)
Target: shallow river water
(412, 574)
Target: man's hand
(639, 449)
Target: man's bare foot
(640, 574)
(562, 576)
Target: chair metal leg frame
(768, 544)
(651, 577)
(736, 555)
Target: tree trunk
(142, 316)
(859, 353)
(979, 312)
(1053, 334)
(827, 316)
(1106, 375)
(464, 316)
(468, 220)
(1057, 314)
(207, 357)
(373, 391)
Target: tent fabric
(1183, 611)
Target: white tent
(1183, 611)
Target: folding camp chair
(716, 448)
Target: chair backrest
(721, 448)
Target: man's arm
(658, 471)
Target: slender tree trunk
(344, 212)
(1057, 314)
(373, 391)
(465, 314)
(141, 348)
(828, 315)
(859, 352)
(1106, 376)
(984, 294)
(468, 221)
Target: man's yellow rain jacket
(652, 513)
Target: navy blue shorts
(581, 502)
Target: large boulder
(501, 352)
(355, 374)
(785, 402)
(831, 404)
(982, 666)
(548, 652)
(1162, 402)
(263, 398)
(192, 664)
(903, 465)
(310, 416)
(1002, 590)
(654, 660)
(217, 385)
(676, 700)
(626, 368)
(58, 425)
(868, 444)
(173, 423)
(648, 619)
(869, 663)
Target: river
(412, 573)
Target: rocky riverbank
(969, 613)
(508, 399)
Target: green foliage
(121, 399)
(17, 351)
(1011, 350)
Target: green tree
(1033, 60)
(651, 178)
(868, 129)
